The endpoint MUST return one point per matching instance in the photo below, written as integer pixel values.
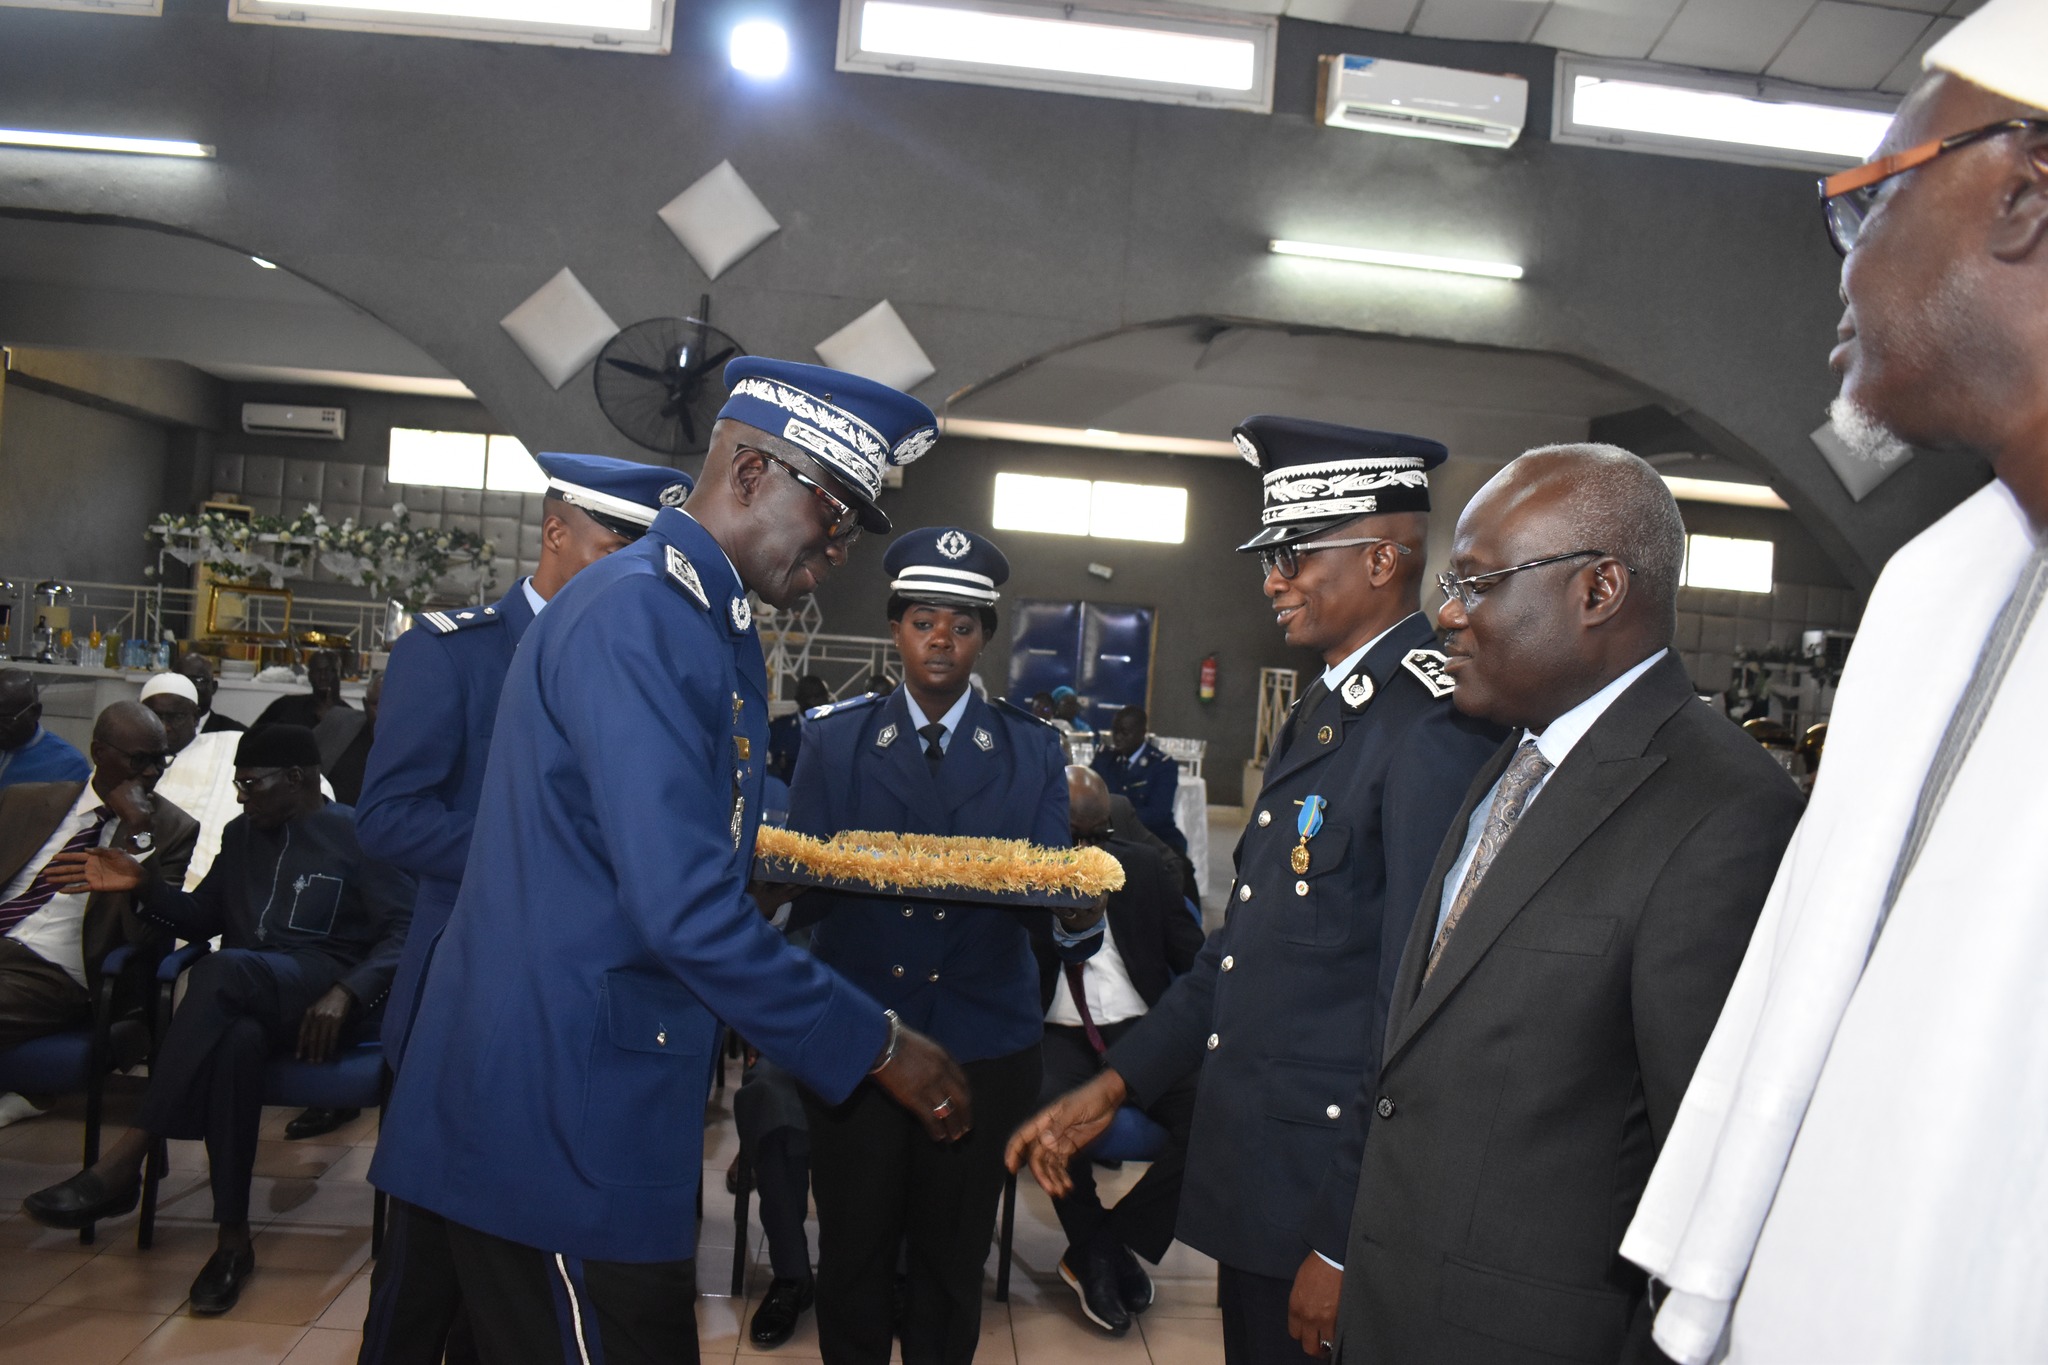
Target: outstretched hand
(1050, 1138)
(95, 869)
(924, 1078)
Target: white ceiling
(1845, 44)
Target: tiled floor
(63, 1304)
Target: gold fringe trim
(934, 862)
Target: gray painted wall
(77, 485)
(436, 183)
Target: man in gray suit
(1583, 923)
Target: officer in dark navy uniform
(929, 757)
(1284, 1010)
(420, 793)
(1134, 767)
(549, 1105)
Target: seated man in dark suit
(1582, 925)
(53, 938)
(1133, 766)
(312, 931)
(1150, 938)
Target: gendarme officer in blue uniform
(420, 793)
(1284, 1009)
(929, 757)
(550, 1102)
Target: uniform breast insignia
(683, 574)
(742, 613)
(983, 740)
(1308, 824)
(1428, 667)
(886, 737)
(1356, 691)
(743, 746)
(739, 816)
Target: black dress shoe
(221, 1279)
(1091, 1274)
(775, 1320)
(1133, 1285)
(81, 1200)
(317, 1122)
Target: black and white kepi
(946, 566)
(1318, 475)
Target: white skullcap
(170, 685)
(2002, 47)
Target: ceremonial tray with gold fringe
(1008, 872)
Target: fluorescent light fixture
(1092, 438)
(606, 25)
(1033, 502)
(93, 142)
(1725, 492)
(759, 47)
(1106, 48)
(1138, 511)
(1683, 113)
(509, 468)
(441, 459)
(267, 265)
(1729, 563)
(1403, 260)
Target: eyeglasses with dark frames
(10, 717)
(1848, 198)
(1287, 558)
(1469, 590)
(845, 519)
(245, 785)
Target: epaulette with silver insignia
(457, 618)
(1428, 667)
(838, 708)
(1006, 705)
(683, 574)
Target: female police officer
(929, 757)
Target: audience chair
(79, 1059)
(1131, 1136)
(354, 1078)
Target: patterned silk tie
(933, 733)
(44, 886)
(1517, 785)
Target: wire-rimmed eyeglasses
(1469, 590)
(845, 519)
(1287, 558)
(1849, 197)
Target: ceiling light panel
(1400, 260)
(1647, 109)
(642, 26)
(96, 142)
(1156, 54)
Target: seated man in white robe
(1855, 1173)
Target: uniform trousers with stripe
(532, 1307)
(206, 1081)
(882, 1185)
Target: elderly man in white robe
(1859, 1171)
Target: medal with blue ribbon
(1307, 824)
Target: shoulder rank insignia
(1428, 667)
(886, 738)
(1356, 691)
(448, 622)
(983, 740)
(683, 574)
(834, 708)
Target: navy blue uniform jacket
(964, 974)
(1284, 1009)
(426, 770)
(1150, 779)
(554, 1081)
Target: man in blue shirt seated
(1134, 767)
(311, 931)
(28, 752)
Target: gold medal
(1299, 858)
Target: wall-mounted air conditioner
(1373, 95)
(282, 419)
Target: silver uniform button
(1213, 1041)
(1244, 893)
(1265, 818)
(1332, 1112)
(897, 970)
(933, 977)
(908, 912)
(1301, 888)
(938, 914)
(1228, 962)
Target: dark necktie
(43, 887)
(933, 733)
(1080, 993)
(1309, 703)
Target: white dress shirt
(53, 932)
(1111, 996)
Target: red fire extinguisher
(1205, 682)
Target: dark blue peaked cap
(624, 495)
(854, 427)
(947, 566)
(1318, 474)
